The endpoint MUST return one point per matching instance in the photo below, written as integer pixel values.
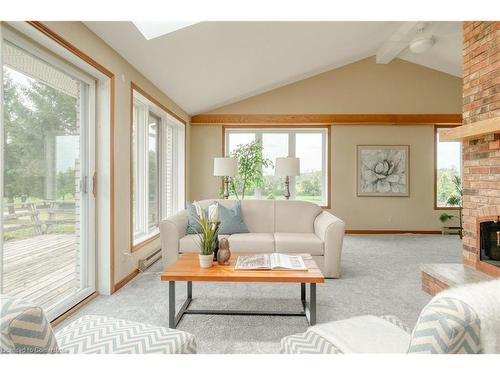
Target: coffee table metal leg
(171, 304)
(312, 304)
(303, 294)
(174, 319)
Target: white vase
(206, 261)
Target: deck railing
(41, 215)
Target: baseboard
(120, 284)
(390, 231)
(61, 318)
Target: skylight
(152, 30)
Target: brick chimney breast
(481, 157)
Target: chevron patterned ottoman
(307, 343)
(93, 334)
(311, 342)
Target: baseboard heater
(148, 261)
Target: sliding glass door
(48, 245)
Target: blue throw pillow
(231, 221)
(193, 225)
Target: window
(47, 137)
(157, 167)
(448, 159)
(309, 144)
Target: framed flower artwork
(383, 171)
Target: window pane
(235, 140)
(158, 170)
(448, 159)
(275, 145)
(309, 185)
(168, 171)
(153, 126)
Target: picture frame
(383, 170)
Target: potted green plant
(208, 238)
(251, 161)
(455, 200)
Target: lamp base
(287, 186)
(226, 187)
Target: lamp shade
(225, 167)
(287, 167)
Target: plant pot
(206, 261)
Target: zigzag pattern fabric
(92, 334)
(308, 342)
(25, 328)
(447, 326)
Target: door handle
(94, 184)
(84, 184)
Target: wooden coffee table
(186, 268)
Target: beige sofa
(274, 226)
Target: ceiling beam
(328, 119)
(396, 43)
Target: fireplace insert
(490, 242)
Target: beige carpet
(380, 276)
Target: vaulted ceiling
(210, 64)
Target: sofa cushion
(190, 243)
(258, 215)
(364, 334)
(93, 334)
(295, 216)
(298, 243)
(251, 243)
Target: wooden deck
(43, 269)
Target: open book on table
(275, 261)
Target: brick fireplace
(481, 154)
(480, 136)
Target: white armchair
(461, 320)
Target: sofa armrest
(171, 231)
(330, 229)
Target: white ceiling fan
(417, 37)
(422, 41)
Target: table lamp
(286, 167)
(227, 168)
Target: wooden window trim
(137, 88)
(140, 245)
(150, 97)
(328, 151)
(436, 207)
